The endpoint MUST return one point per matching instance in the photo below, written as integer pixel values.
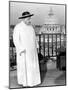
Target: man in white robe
(28, 73)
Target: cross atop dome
(51, 12)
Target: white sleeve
(35, 39)
(16, 40)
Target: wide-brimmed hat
(25, 15)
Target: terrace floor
(50, 76)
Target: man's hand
(22, 52)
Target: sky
(40, 12)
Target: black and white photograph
(37, 44)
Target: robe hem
(29, 85)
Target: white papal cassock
(24, 38)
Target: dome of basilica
(51, 18)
